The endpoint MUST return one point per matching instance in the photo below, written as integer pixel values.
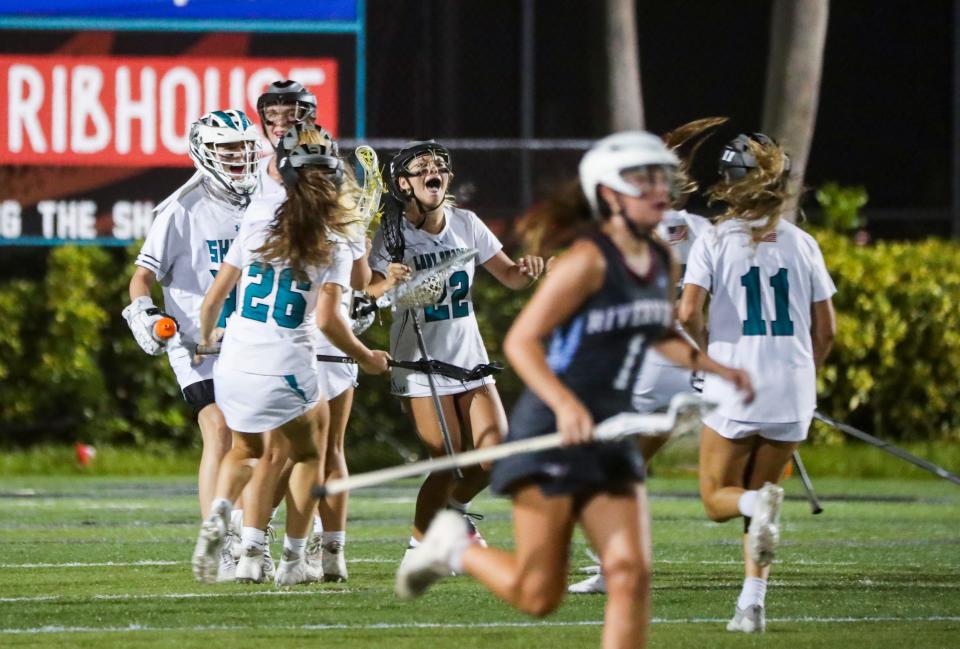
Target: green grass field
(100, 561)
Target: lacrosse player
(606, 298)
(284, 104)
(433, 229)
(190, 236)
(659, 379)
(771, 313)
(287, 272)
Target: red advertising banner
(135, 111)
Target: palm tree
(623, 66)
(798, 30)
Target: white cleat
(228, 567)
(430, 561)
(763, 535)
(752, 619)
(233, 533)
(315, 547)
(269, 569)
(589, 586)
(206, 554)
(294, 569)
(334, 561)
(250, 567)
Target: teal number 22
(459, 307)
(289, 306)
(755, 325)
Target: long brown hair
(685, 141)
(299, 234)
(554, 223)
(760, 194)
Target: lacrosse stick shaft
(889, 448)
(611, 429)
(444, 430)
(815, 507)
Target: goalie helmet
(737, 160)
(224, 146)
(288, 93)
(293, 153)
(409, 153)
(607, 161)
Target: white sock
(236, 519)
(221, 507)
(457, 505)
(414, 543)
(754, 592)
(747, 503)
(317, 524)
(294, 546)
(330, 537)
(252, 537)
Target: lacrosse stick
(682, 417)
(372, 187)
(889, 448)
(426, 288)
(815, 507)
(423, 290)
(430, 367)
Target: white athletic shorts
(657, 383)
(186, 372)
(336, 378)
(257, 403)
(407, 383)
(791, 431)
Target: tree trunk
(798, 30)
(623, 66)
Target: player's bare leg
(533, 577)
(618, 527)
(435, 490)
(216, 439)
(333, 509)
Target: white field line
(135, 564)
(209, 595)
(443, 625)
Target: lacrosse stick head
(687, 411)
(371, 183)
(426, 288)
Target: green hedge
(70, 370)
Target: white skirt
(258, 403)
(407, 383)
(186, 372)
(791, 431)
(336, 378)
(658, 382)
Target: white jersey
(450, 328)
(353, 250)
(267, 186)
(760, 316)
(271, 331)
(190, 236)
(680, 229)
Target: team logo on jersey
(632, 314)
(431, 259)
(677, 233)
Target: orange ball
(164, 328)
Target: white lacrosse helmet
(214, 151)
(608, 159)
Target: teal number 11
(755, 325)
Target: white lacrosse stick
(682, 416)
